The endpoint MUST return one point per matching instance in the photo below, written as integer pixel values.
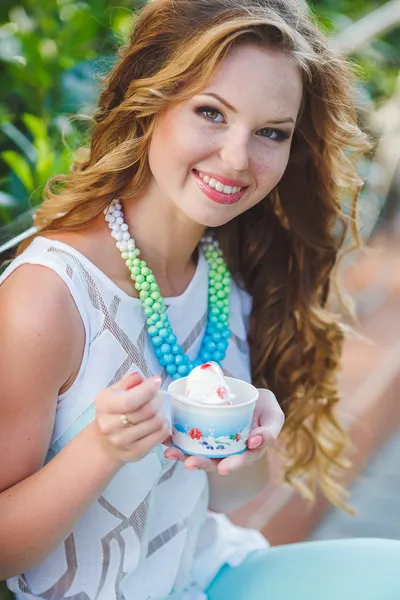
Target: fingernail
(255, 442)
(157, 381)
(134, 374)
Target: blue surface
(358, 569)
(209, 455)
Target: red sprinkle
(206, 366)
(221, 392)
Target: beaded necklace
(168, 351)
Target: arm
(41, 345)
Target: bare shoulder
(41, 345)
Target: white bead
(119, 246)
(131, 245)
(116, 227)
(124, 226)
(119, 220)
(111, 225)
(117, 206)
(124, 246)
(118, 235)
(111, 219)
(126, 236)
(117, 213)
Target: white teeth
(220, 187)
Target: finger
(147, 443)
(147, 411)
(269, 415)
(172, 452)
(201, 462)
(131, 434)
(239, 461)
(128, 381)
(133, 399)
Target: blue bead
(165, 348)
(169, 358)
(183, 370)
(216, 336)
(220, 326)
(218, 356)
(226, 334)
(179, 359)
(171, 369)
(176, 349)
(171, 339)
(206, 356)
(176, 376)
(157, 340)
(211, 346)
(157, 352)
(162, 361)
(152, 331)
(163, 333)
(222, 346)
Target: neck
(167, 240)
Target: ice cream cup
(209, 430)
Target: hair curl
(284, 249)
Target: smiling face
(222, 151)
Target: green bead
(146, 271)
(213, 299)
(124, 255)
(218, 285)
(143, 294)
(148, 310)
(135, 271)
(136, 262)
(145, 286)
(150, 278)
(155, 295)
(221, 269)
(212, 291)
(140, 279)
(138, 286)
(135, 252)
(129, 263)
(148, 301)
(153, 287)
(143, 264)
(221, 295)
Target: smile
(218, 191)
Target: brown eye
(211, 114)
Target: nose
(235, 151)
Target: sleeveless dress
(150, 534)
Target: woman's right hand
(130, 418)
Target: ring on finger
(125, 421)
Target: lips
(216, 196)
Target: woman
(223, 124)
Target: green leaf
(20, 166)
(20, 140)
(36, 126)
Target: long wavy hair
(284, 249)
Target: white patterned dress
(149, 535)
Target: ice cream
(206, 384)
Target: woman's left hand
(267, 423)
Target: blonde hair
(284, 249)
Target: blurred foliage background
(53, 54)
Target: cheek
(269, 167)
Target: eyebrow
(233, 109)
